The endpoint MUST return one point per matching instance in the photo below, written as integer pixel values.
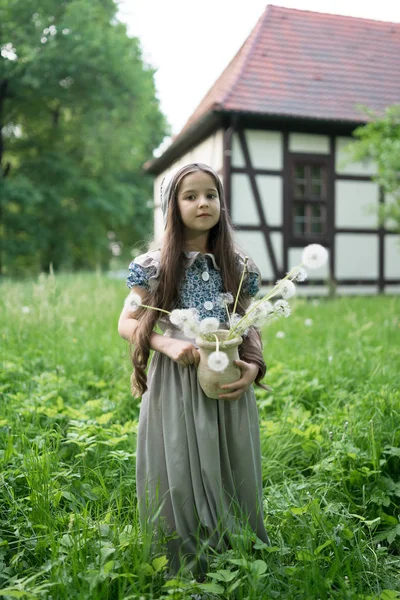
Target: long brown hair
(172, 266)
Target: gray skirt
(198, 466)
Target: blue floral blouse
(201, 286)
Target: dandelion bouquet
(259, 313)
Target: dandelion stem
(154, 308)
(244, 320)
(229, 316)
(216, 343)
(246, 258)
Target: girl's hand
(183, 353)
(249, 372)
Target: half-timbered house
(276, 125)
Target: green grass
(330, 432)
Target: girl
(198, 459)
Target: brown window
(308, 199)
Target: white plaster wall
(294, 259)
(270, 188)
(265, 148)
(254, 245)
(356, 204)
(392, 289)
(392, 257)
(237, 158)
(311, 290)
(356, 290)
(356, 256)
(344, 165)
(390, 200)
(305, 142)
(210, 152)
(243, 206)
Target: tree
(78, 118)
(379, 141)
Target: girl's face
(198, 202)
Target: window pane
(299, 190)
(316, 188)
(299, 226)
(299, 171)
(316, 173)
(317, 226)
(299, 218)
(316, 211)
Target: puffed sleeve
(252, 283)
(252, 280)
(144, 270)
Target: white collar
(194, 254)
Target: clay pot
(210, 381)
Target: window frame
(310, 161)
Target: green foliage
(80, 117)
(379, 141)
(330, 443)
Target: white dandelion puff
(286, 288)
(314, 256)
(26, 310)
(239, 325)
(218, 361)
(298, 274)
(280, 335)
(308, 322)
(133, 301)
(209, 325)
(258, 312)
(225, 299)
(176, 317)
(182, 316)
(282, 308)
(235, 318)
(191, 328)
(268, 307)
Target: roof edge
(214, 119)
(183, 143)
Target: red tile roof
(311, 65)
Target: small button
(205, 276)
(208, 305)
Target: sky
(190, 42)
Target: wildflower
(181, 316)
(280, 334)
(133, 301)
(209, 325)
(258, 312)
(218, 361)
(286, 288)
(191, 329)
(330, 358)
(308, 322)
(191, 323)
(314, 256)
(298, 274)
(176, 317)
(25, 310)
(282, 308)
(225, 299)
(239, 329)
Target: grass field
(330, 432)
